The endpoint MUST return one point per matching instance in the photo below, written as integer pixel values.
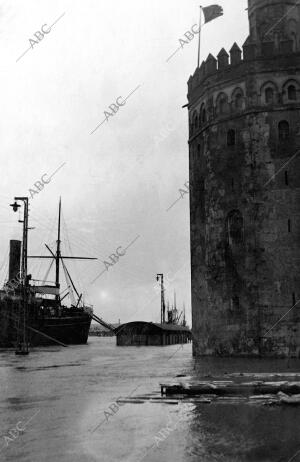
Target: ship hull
(66, 330)
(70, 329)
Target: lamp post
(22, 334)
(160, 277)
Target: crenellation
(223, 67)
(250, 50)
(223, 59)
(235, 54)
(210, 64)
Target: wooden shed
(140, 333)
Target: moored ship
(34, 314)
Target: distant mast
(58, 253)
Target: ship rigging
(38, 318)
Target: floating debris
(283, 398)
(231, 389)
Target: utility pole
(22, 333)
(160, 277)
(184, 320)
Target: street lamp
(22, 335)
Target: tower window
(238, 101)
(269, 95)
(283, 130)
(235, 225)
(231, 137)
(235, 303)
(203, 113)
(286, 177)
(292, 93)
(289, 225)
(223, 105)
(196, 123)
(294, 38)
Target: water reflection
(74, 387)
(243, 432)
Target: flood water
(59, 404)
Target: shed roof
(172, 327)
(165, 327)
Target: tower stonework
(244, 156)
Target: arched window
(235, 303)
(202, 115)
(222, 103)
(231, 137)
(196, 123)
(238, 102)
(292, 93)
(293, 32)
(235, 227)
(286, 178)
(269, 95)
(294, 39)
(191, 125)
(283, 130)
(237, 98)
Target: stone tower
(244, 154)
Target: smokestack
(14, 259)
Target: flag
(212, 12)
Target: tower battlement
(227, 65)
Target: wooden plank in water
(231, 389)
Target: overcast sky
(118, 182)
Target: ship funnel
(14, 259)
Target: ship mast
(58, 257)
(58, 252)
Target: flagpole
(199, 40)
